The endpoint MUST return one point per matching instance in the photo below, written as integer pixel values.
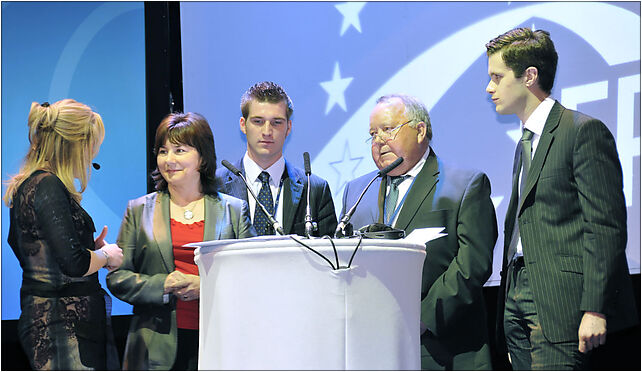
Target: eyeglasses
(387, 134)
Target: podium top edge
(287, 241)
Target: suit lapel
(421, 191)
(213, 216)
(292, 190)
(234, 185)
(383, 184)
(509, 221)
(543, 147)
(161, 228)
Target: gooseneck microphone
(340, 231)
(233, 169)
(310, 226)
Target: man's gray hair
(415, 110)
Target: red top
(186, 311)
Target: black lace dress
(64, 324)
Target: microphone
(390, 167)
(306, 163)
(233, 169)
(96, 166)
(340, 231)
(309, 225)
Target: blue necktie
(261, 222)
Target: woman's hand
(114, 254)
(192, 290)
(174, 281)
(100, 240)
(186, 287)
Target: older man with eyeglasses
(423, 192)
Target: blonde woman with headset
(64, 324)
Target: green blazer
(146, 241)
(456, 266)
(572, 223)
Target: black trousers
(187, 350)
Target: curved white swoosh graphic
(78, 42)
(61, 83)
(428, 78)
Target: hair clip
(45, 104)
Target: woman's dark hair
(190, 129)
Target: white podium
(269, 303)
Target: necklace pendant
(188, 214)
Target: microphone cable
(334, 248)
(313, 250)
(355, 250)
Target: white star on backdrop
(350, 12)
(335, 89)
(345, 167)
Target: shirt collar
(252, 170)
(535, 123)
(420, 164)
(417, 168)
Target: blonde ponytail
(64, 137)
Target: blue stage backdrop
(92, 52)
(335, 59)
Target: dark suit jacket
(294, 198)
(145, 237)
(456, 266)
(572, 223)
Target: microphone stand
(344, 229)
(310, 226)
(274, 222)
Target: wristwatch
(105, 254)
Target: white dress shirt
(535, 123)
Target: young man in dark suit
(266, 121)
(423, 192)
(565, 277)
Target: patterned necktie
(393, 195)
(261, 222)
(526, 144)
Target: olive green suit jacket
(145, 237)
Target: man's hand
(592, 332)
